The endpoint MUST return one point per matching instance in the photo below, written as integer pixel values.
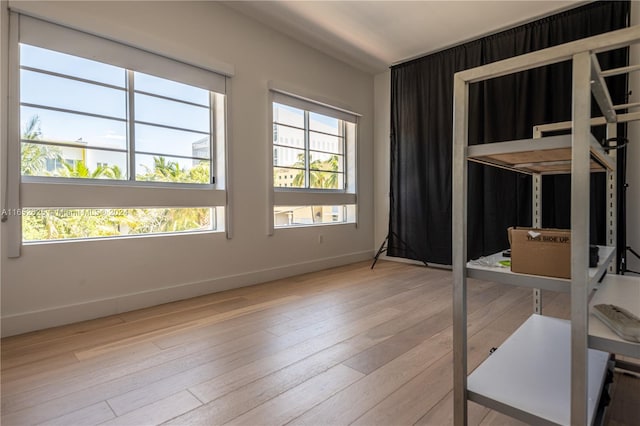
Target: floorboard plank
(54, 375)
(91, 415)
(442, 413)
(295, 401)
(349, 404)
(22, 341)
(158, 412)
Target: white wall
(57, 283)
(381, 154)
(633, 156)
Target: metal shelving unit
(544, 373)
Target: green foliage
(53, 224)
(170, 171)
(32, 130)
(34, 155)
(321, 173)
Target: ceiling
(372, 35)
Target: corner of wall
(381, 154)
(633, 155)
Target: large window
(112, 140)
(313, 162)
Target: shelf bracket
(600, 91)
(618, 71)
(626, 106)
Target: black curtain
(501, 109)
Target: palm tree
(164, 171)
(170, 171)
(78, 169)
(321, 174)
(185, 219)
(175, 219)
(32, 130)
(34, 156)
(300, 163)
(200, 173)
(111, 172)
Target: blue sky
(48, 90)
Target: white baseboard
(67, 314)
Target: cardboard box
(541, 251)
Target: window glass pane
(288, 115)
(288, 157)
(46, 90)
(288, 178)
(170, 113)
(171, 142)
(75, 129)
(285, 216)
(61, 224)
(324, 161)
(62, 63)
(288, 136)
(322, 123)
(322, 142)
(326, 180)
(72, 162)
(172, 169)
(171, 89)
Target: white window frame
(284, 196)
(23, 192)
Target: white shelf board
(505, 276)
(529, 375)
(547, 155)
(623, 291)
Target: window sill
(121, 238)
(40, 180)
(313, 225)
(312, 198)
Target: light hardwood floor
(341, 346)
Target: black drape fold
(421, 195)
(501, 109)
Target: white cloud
(113, 135)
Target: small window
(309, 148)
(314, 150)
(287, 216)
